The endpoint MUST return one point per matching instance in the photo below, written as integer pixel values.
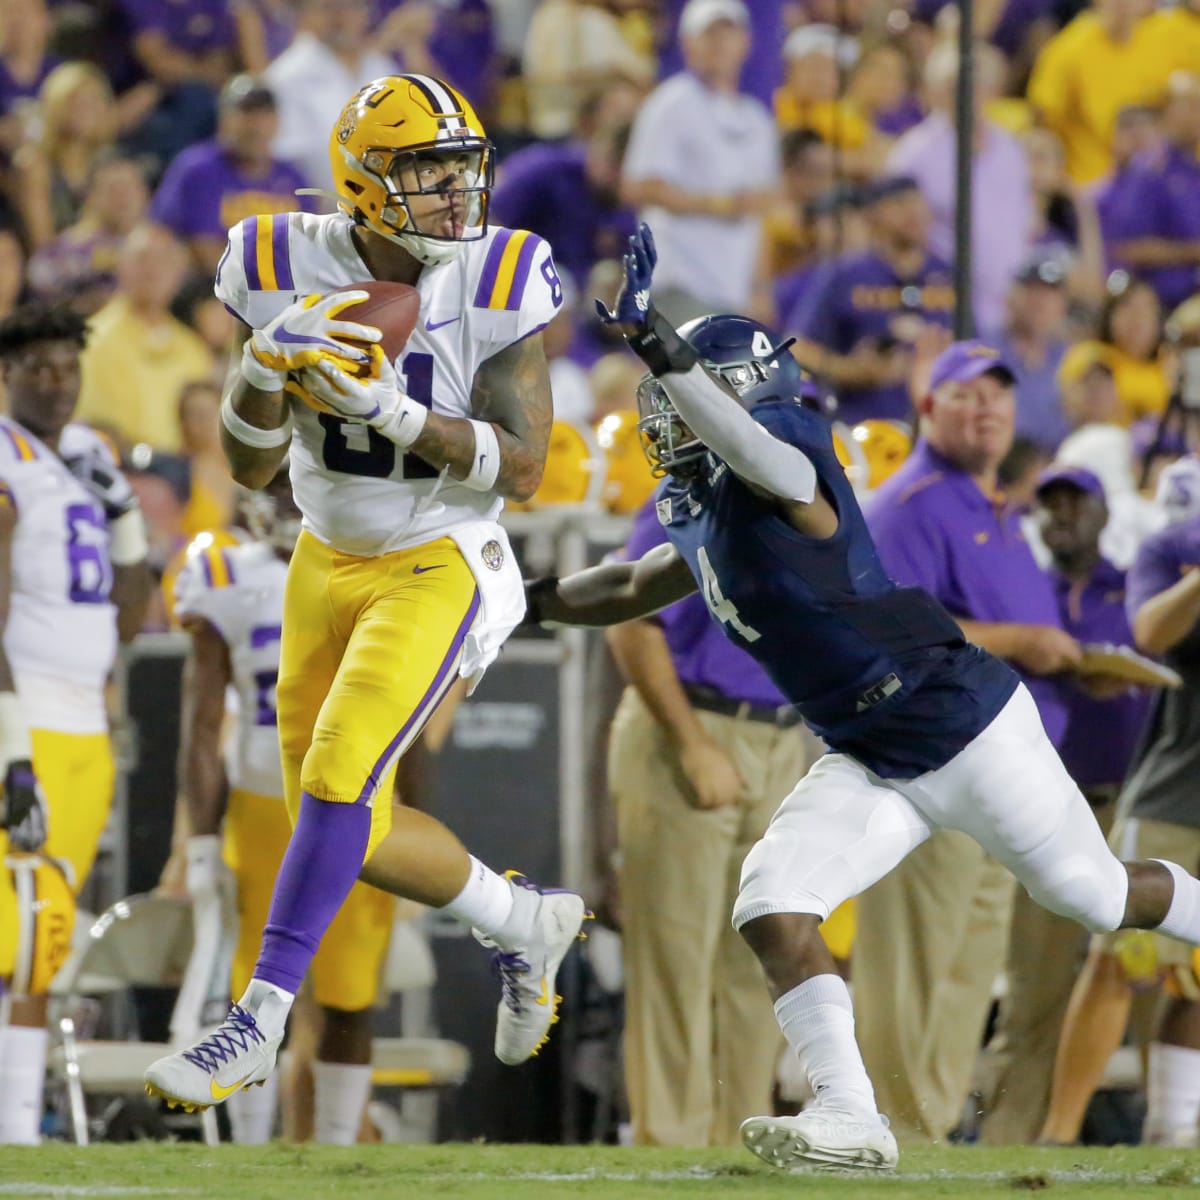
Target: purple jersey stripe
(419, 713)
(229, 566)
(521, 274)
(12, 440)
(491, 268)
(281, 253)
(250, 253)
(207, 567)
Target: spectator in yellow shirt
(1176, 35)
(139, 357)
(1104, 60)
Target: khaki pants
(701, 1041)
(931, 941)
(1045, 954)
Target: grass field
(480, 1172)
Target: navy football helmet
(753, 360)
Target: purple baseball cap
(1077, 477)
(961, 362)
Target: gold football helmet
(45, 920)
(571, 475)
(627, 479)
(850, 455)
(405, 136)
(885, 445)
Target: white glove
(375, 400)
(205, 868)
(303, 335)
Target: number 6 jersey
(358, 492)
(61, 635)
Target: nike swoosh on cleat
(432, 325)
(422, 570)
(221, 1093)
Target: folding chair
(141, 941)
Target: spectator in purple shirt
(860, 325)
(566, 192)
(699, 755)
(934, 930)
(214, 184)
(1104, 727)
(24, 64)
(1151, 225)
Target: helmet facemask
(461, 169)
(668, 444)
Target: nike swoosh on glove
(26, 816)
(308, 332)
(375, 400)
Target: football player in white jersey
(401, 579)
(230, 599)
(73, 577)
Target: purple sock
(322, 862)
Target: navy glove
(633, 300)
(105, 481)
(24, 812)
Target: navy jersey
(880, 672)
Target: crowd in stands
(795, 158)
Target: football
(392, 308)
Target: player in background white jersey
(230, 600)
(73, 578)
(401, 579)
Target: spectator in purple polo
(1105, 721)
(860, 325)
(566, 192)
(1151, 223)
(937, 924)
(186, 49)
(216, 183)
(1034, 342)
(1002, 196)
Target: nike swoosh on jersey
(422, 570)
(220, 1093)
(432, 325)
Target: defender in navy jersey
(925, 731)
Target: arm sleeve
(753, 454)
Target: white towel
(484, 545)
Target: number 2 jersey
(880, 672)
(61, 635)
(357, 491)
(239, 591)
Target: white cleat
(527, 973)
(234, 1056)
(822, 1137)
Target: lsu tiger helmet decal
(402, 140)
(45, 920)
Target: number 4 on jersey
(722, 609)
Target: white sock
(270, 1005)
(1173, 1092)
(22, 1077)
(1183, 917)
(252, 1112)
(817, 1018)
(485, 901)
(340, 1095)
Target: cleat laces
(238, 1031)
(510, 968)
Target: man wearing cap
(703, 168)
(1033, 343)
(1104, 724)
(212, 185)
(1158, 806)
(702, 747)
(859, 326)
(932, 933)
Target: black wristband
(660, 347)
(535, 589)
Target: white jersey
(61, 636)
(239, 591)
(357, 491)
